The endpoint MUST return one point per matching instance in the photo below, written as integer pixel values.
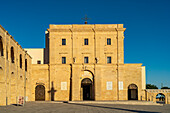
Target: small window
(86, 60)
(86, 41)
(63, 41)
(108, 41)
(7, 54)
(108, 60)
(1, 47)
(38, 61)
(20, 61)
(63, 60)
(12, 54)
(25, 64)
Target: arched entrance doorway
(87, 89)
(39, 93)
(132, 92)
(160, 98)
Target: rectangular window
(38, 61)
(108, 60)
(86, 60)
(108, 41)
(63, 60)
(63, 41)
(85, 41)
(25, 64)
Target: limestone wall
(40, 76)
(12, 68)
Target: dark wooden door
(40, 93)
(86, 92)
(132, 94)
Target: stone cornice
(104, 29)
(2, 28)
(120, 29)
(59, 30)
(158, 90)
(87, 30)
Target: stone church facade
(79, 62)
(85, 62)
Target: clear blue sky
(147, 36)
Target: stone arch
(12, 54)
(88, 74)
(132, 92)
(1, 47)
(160, 98)
(40, 93)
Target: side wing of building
(15, 70)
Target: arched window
(1, 47)
(25, 64)
(20, 56)
(12, 54)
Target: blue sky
(147, 35)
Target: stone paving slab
(46, 107)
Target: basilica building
(79, 62)
(85, 62)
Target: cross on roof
(85, 18)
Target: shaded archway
(160, 98)
(87, 89)
(39, 93)
(132, 92)
(1, 47)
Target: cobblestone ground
(34, 107)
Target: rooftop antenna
(85, 19)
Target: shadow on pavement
(137, 111)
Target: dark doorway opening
(40, 93)
(86, 85)
(86, 92)
(132, 92)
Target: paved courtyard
(45, 107)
